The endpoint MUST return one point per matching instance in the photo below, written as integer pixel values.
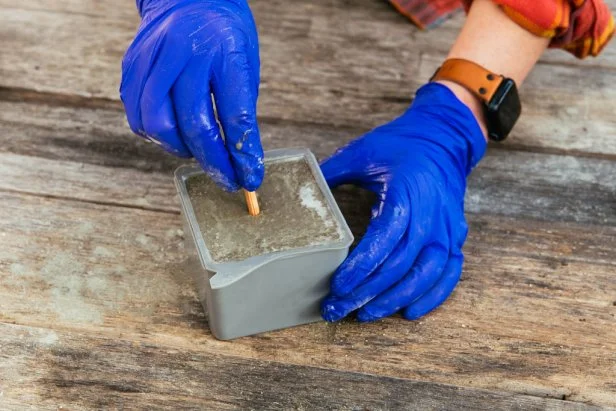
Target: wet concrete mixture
(294, 214)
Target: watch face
(503, 110)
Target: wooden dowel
(252, 202)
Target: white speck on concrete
(309, 200)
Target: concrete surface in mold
(294, 214)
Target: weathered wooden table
(96, 308)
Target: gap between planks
(90, 201)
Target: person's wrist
(469, 100)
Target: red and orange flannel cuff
(426, 13)
(582, 27)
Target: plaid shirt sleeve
(582, 27)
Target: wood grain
(542, 240)
(79, 371)
(318, 65)
(102, 161)
(97, 304)
(121, 272)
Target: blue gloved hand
(410, 258)
(184, 52)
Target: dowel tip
(252, 203)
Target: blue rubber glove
(410, 258)
(184, 52)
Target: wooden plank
(80, 181)
(535, 186)
(347, 74)
(442, 37)
(102, 161)
(123, 306)
(545, 187)
(45, 369)
(84, 54)
(100, 136)
(112, 271)
(290, 24)
(121, 272)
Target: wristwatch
(498, 94)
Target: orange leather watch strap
(479, 81)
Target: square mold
(271, 290)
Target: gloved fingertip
(330, 312)
(412, 313)
(248, 164)
(253, 179)
(420, 308)
(363, 316)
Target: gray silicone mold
(269, 291)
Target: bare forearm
(492, 40)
